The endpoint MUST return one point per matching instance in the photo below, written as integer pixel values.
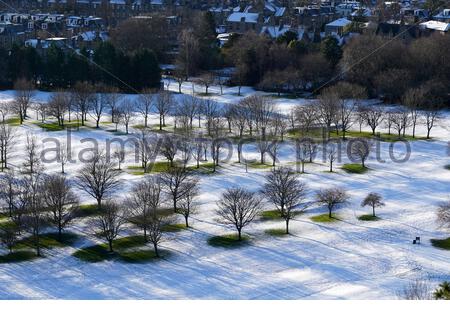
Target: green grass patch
(49, 241)
(323, 218)
(319, 133)
(204, 168)
(13, 121)
(368, 217)
(271, 215)
(6, 223)
(354, 168)
(174, 227)
(18, 256)
(142, 256)
(54, 126)
(276, 232)
(258, 165)
(228, 241)
(441, 243)
(127, 249)
(87, 210)
(156, 167)
(96, 253)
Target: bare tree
(187, 205)
(189, 107)
(98, 105)
(112, 101)
(59, 105)
(164, 104)
(286, 192)
(8, 236)
(7, 137)
(148, 148)
(217, 142)
(126, 113)
(359, 150)
(169, 148)
(60, 200)
(210, 109)
(238, 207)
(206, 80)
(332, 153)
(119, 154)
(175, 182)
(443, 214)
(145, 104)
(331, 198)
(108, 223)
(98, 178)
(65, 154)
(431, 117)
(9, 189)
(373, 116)
(42, 108)
(24, 93)
(35, 218)
(82, 98)
(306, 117)
(328, 109)
(400, 121)
(32, 160)
(416, 290)
(374, 200)
(180, 77)
(143, 203)
(6, 107)
(239, 116)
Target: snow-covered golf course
(344, 259)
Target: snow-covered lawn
(347, 259)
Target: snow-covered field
(349, 259)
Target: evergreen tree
(331, 50)
(145, 70)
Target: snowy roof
(342, 22)
(241, 16)
(444, 14)
(436, 25)
(275, 31)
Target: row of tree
(62, 67)
(35, 200)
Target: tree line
(61, 67)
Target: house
(337, 27)
(443, 16)
(241, 22)
(11, 33)
(399, 30)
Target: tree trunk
(373, 211)
(155, 247)
(239, 234)
(186, 217)
(110, 244)
(287, 226)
